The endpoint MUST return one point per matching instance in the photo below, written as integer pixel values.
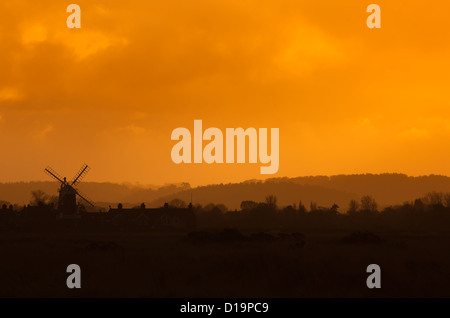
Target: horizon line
(140, 184)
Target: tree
(271, 201)
(353, 206)
(39, 198)
(222, 207)
(433, 198)
(334, 208)
(248, 205)
(418, 205)
(368, 204)
(177, 203)
(53, 200)
(289, 210)
(301, 207)
(447, 199)
(4, 203)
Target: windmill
(67, 202)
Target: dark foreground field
(166, 265)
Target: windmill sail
(80, 175)
(51, 172)
(82, 196)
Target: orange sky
(347, 99)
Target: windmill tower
(67, 202)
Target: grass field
(165, 265)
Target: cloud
(139, 115)
(134, 129)
(88, 43)
(43, 133)
(35, 33)
(307, 47)
(10, 94)
(365, 122)
(84, 42)
(414, 133)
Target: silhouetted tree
(222, 207)
(39, 198)
(433, 198)
(301, 207)
(248, 205)
(353, 206)
(4, 202)
(447, 199)
(215, 207)
(334, 208)
(271, 201)
(289, 210)
(211, 214)
(53, 200)
(177, 203)
(368, 204)
(418, 205)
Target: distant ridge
(386, 188)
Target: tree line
(430, 212)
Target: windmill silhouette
(67, 202)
